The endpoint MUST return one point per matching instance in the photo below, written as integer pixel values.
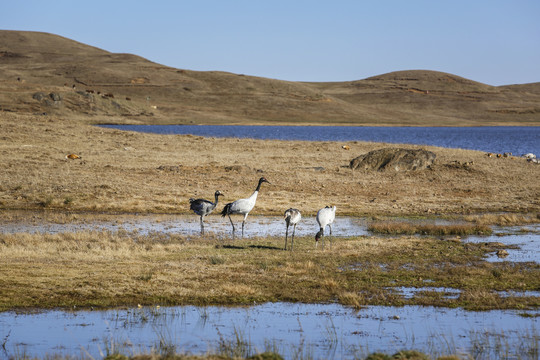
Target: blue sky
(495, 42)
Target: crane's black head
(218, 193)
(318, 235)
(261, 180)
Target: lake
(496, 139)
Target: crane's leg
(286, 234)
(243, 223)
(330, 239)
(330, 226)
(229, 215)
(202, 226)
(292, 239)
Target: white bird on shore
(242, 206)
(203, 207)
(292, 217)
(325, 216)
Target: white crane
(325, 216)
(203, 207)
(292, 217)
(242, 206)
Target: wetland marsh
(113, 230)
(369, 293)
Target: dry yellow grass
(104, 269)
(504, 219)
(395, 227)
(134, 172)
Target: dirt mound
(394, 159)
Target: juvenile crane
(242, 206)
(325, 216)
(203, 207)
(292, 217)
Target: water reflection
(321, 331)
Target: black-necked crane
(292, 217)
(242, 206)
(203, 207)
(325, 216)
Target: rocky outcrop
(396, 159)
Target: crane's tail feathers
(226, 209)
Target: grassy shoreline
(98, 269)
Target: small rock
(396, 159)
(39, 96)
(55, 97)
(502, 253)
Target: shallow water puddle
(451, 293)
(321, 331)
(527, 238)
(186, 225)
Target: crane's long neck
(253, 196)
(216, 199)
(258, 187)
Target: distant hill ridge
(91, 84)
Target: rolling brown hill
(42, 73)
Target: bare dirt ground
(134, 172)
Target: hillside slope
(42, 73)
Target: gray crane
(203, 207)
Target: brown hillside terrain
(44, 73)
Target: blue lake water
(497, 139)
